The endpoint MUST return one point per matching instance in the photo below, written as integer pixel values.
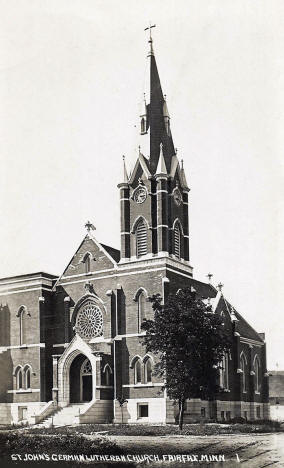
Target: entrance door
(87, 387)
(80, 378)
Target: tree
(121, 400)
(190, 341)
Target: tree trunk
(181, 411)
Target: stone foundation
(19, 413)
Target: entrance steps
(63, 416)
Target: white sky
(71, 76)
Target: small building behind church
(70, 345)
(276, 395)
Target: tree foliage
(190, 341)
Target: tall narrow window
(244, 369)
(141, 310)
(141, 239)
(87, 263)
(28, 378)
(107, 376)
(257, 374)
(137, 372)
(148, 371)
(224, 372)
(22, 316)
(107, 372)
(19, 378)
(177, 240)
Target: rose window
(89, 322)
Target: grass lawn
(156, 430)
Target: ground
(242, 450)
(171, 449)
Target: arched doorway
(81, 380)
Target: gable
(140, 170)
(102, 257)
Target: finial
(89, 226)
(125, 175)
(182, 163)
(176, 150)
(151, 52)
(165, 96)
(220, 286)
(139, 148)
(209, 276)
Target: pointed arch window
(19, 378)
(137, 372)
(141, 309)
(177, 240)
(148, 370)
(224, 372)
(22, 315)
(244, 372)
(141, 238)
(107, 373)
(27, 377)
(257, 374)
(87, 262)
(107, 376)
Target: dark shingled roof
(243, 328)
(114, 253)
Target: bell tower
(154, 198)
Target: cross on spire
(150, 30)
(220, 286)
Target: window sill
(256, 392)
(138, 385)
(24, 390)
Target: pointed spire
(125, 175)
(157, 129)
(151, 50)
(161, 168)
(183, 176)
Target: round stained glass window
(89, 322)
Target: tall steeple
(154, 117)
(154, 198)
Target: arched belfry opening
(81, 380)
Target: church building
(70, 346)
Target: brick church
(70, 346)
